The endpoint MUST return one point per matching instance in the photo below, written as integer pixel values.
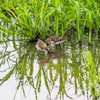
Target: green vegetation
(27, 19)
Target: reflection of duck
(57, 55)
(42, 61)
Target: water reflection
(57, 55)
(66, 79)
(42, 61)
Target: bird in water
(56, 40)
(40, 45)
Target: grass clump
(32, 18)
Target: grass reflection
(61, 71)
(93, 76)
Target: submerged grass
(29, 19)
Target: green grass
(30, 18)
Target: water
(28, 74)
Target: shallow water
(62, 74)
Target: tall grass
(28, 19)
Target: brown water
(28, 74)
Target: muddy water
(62, 74)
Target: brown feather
(41, 45)
(55, 39)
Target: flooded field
(70, 71)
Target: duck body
(56, 40)
(40, 45)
